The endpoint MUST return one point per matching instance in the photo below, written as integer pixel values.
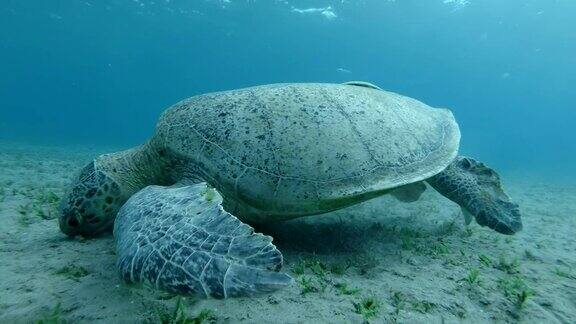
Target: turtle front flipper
(181, 240)
(478, 190)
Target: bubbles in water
(457, 3)
(327, 12)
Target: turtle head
(91, 204)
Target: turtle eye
(92, 219)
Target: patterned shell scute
(314, 139)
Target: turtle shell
(297, 149)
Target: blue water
(101, 71)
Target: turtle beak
(70, 223)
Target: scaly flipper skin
(179, 239)
(477, 189)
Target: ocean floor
(382, 261)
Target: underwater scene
(287, 161)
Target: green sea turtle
(179, 205)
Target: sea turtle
(180, 204)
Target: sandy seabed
(382, 261)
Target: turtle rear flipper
(180, 239)
(478, 190)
